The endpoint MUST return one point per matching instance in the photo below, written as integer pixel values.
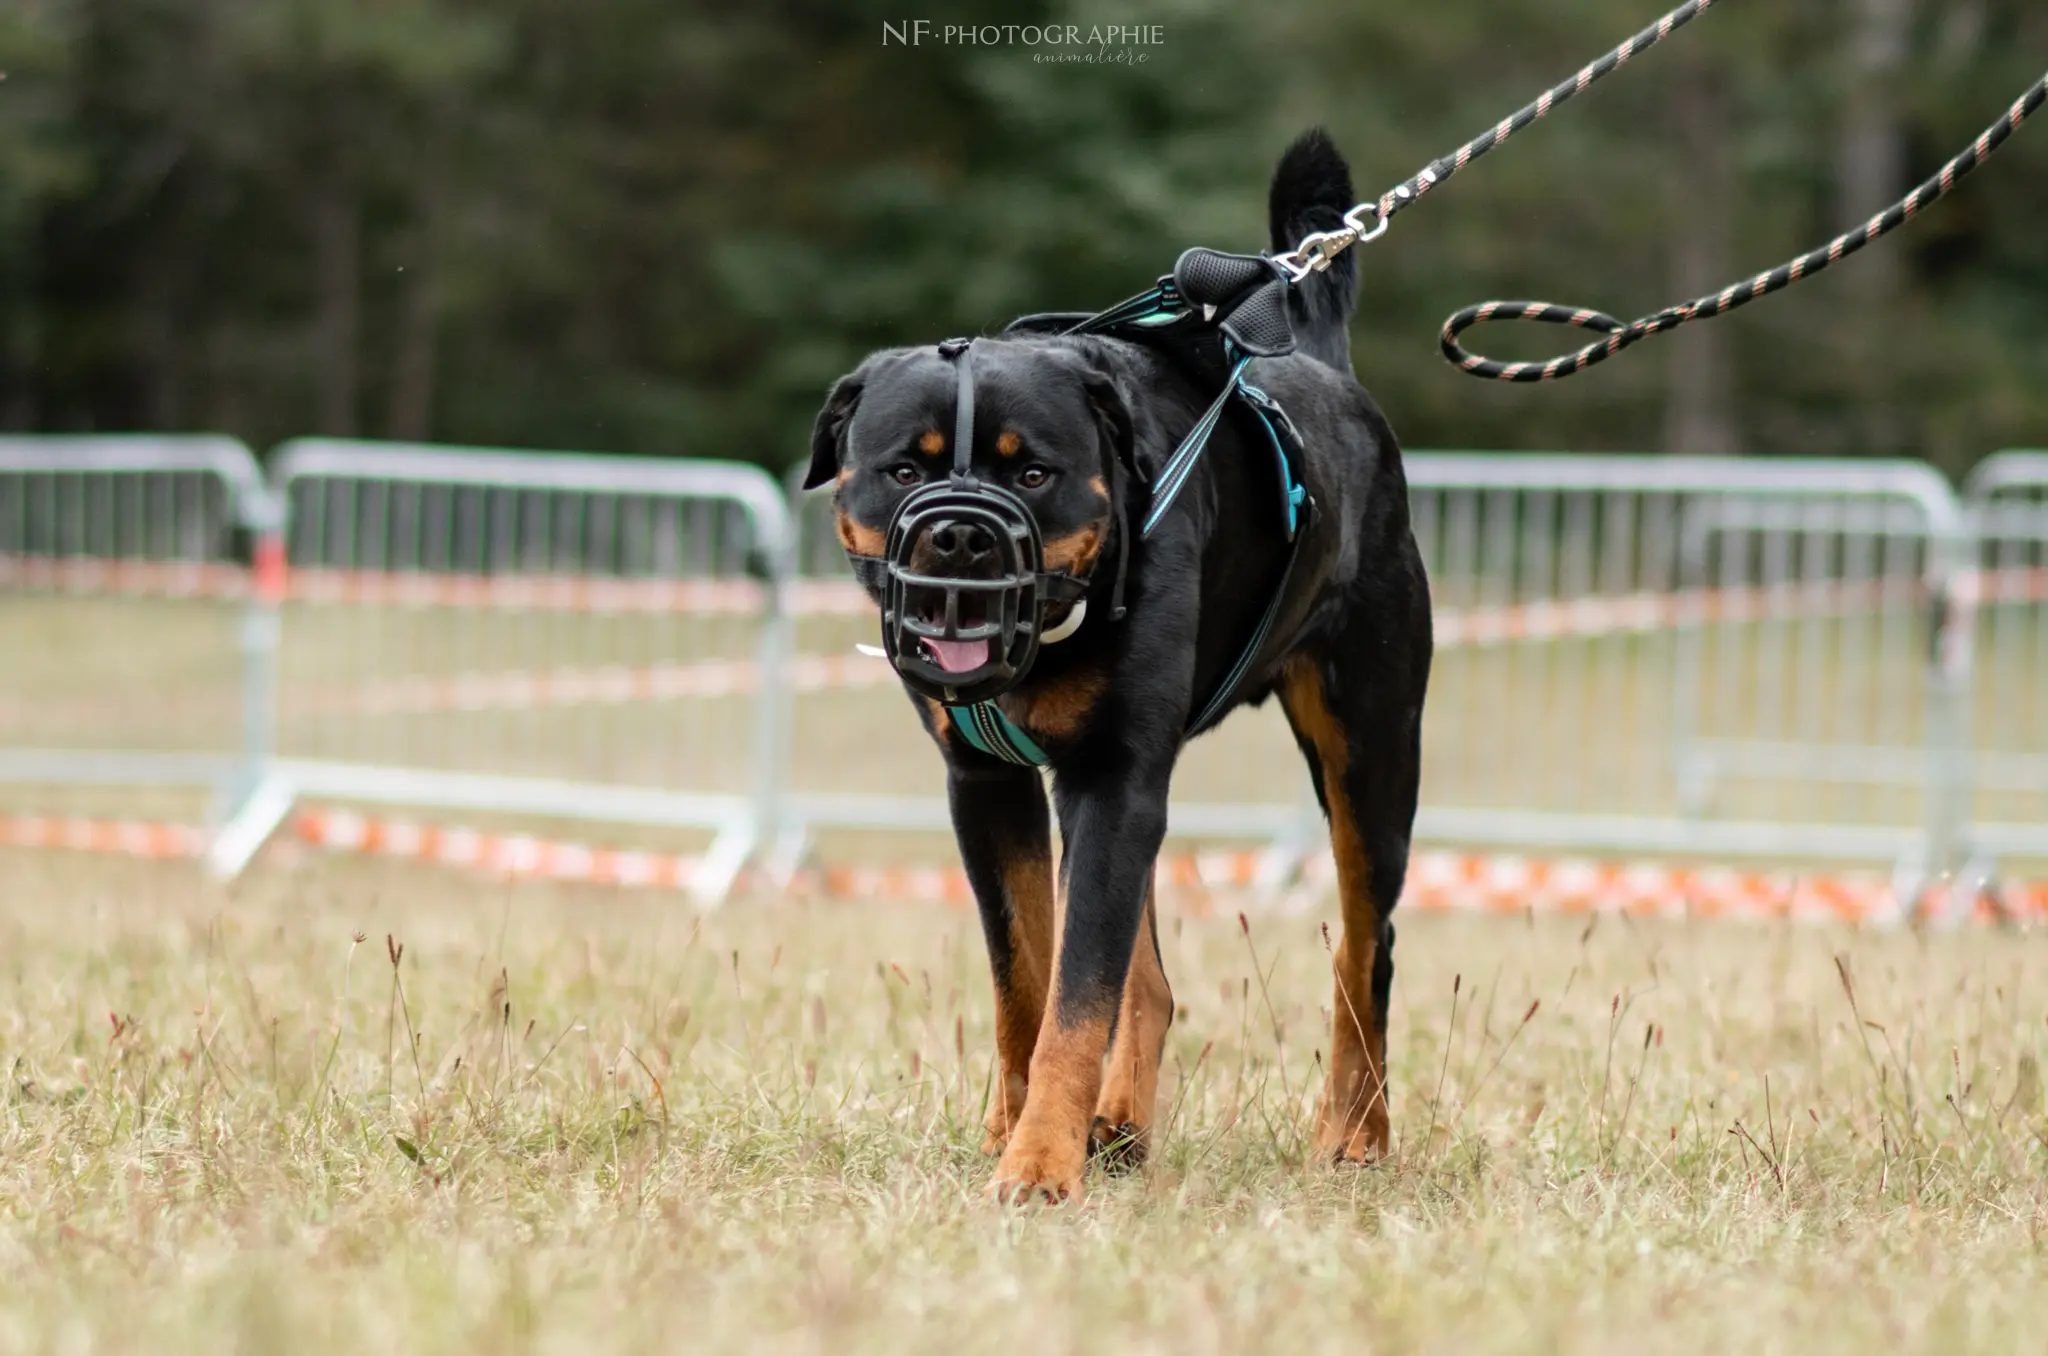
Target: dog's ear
(1113, 417)
(831, 423)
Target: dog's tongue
(958, 656)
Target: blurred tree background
(649, 227)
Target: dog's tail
(1311, 192)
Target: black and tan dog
(1066, 424)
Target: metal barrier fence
(133, 645)
(1728, 658)
(2006, 499)
(546, 635)
(1722, 658)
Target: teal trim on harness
(1292, 492)
(984, 725)
(1173, 476)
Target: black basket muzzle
(997, 609)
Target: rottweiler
(1076, 428)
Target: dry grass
(573, 1120)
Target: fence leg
(1951, 666)
(261, 799)
(1950, 662)
(770, 840)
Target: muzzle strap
(960, 352)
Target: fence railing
(1668, 654)
(546, 635)
(1723, 658)
(133, 643)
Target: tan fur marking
(1096, 484)
(1351, 1123)
(1075, 552)
(1020, 1001)
(932, 443)
(942, 719)
(844, 476)
(859, 538)
(1048, 1150)
(1123, 1114)
(1058, 710)
(1008, 443)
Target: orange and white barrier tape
(142, 578)
(1438, 881)
(128, 838)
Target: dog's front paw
(1358, 1140)
(1120, 1147)
(1033, 1168)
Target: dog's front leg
(1005, 836)
(1113, 822)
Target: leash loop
(1621, 336)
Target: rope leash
(1368, 220)
(1621, 336)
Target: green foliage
(648, 227)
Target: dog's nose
(959, 544)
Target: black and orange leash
(1368, 220)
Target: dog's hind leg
(1361, 735)
(1123, 1114)
(1005, 835)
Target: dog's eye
(1034, 476)
(904, 473)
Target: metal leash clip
(1316, 252)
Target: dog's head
(1050, 429)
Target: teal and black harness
(1211, 317)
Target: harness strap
(1173, 477)
(1220, 702)
(984, 725)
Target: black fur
(1311, 192)
(1110, 704)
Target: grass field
(601, 1122)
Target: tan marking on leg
(1123, 1114)
(1075, 552)
(1008, 443)
(932, 443)
(1048, 1150)
(1351, 1123)
(1020, 998)
(859, 538)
